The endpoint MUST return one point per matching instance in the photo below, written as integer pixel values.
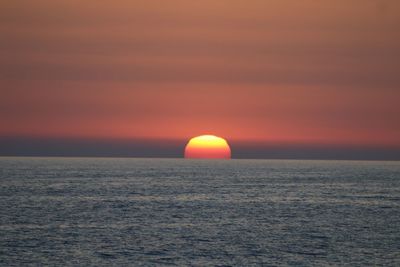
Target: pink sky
(266, 71)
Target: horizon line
(199, 159)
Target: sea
(177, 212)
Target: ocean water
(165, 212)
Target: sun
(207, 147)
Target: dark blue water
(150, 212)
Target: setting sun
(207, 147)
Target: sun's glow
(207, 147)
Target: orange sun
(207, 147)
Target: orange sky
(273, 71)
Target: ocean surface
(165, 212)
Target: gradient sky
(301, 72)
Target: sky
(139, 78)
